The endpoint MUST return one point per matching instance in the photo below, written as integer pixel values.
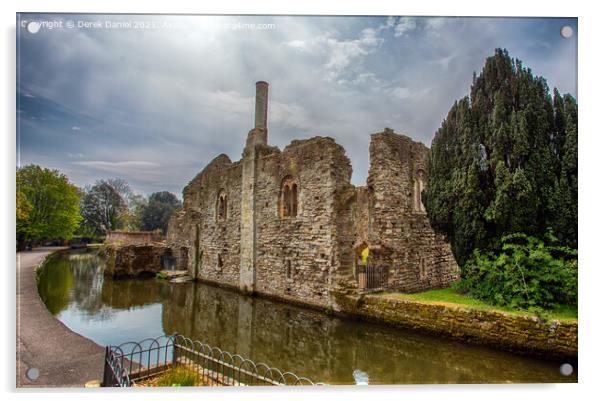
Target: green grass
(178, 377)
(452, 297)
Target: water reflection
(361, 378)
(303, 341)
(55, 283)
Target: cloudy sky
(153, 99)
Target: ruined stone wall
(132, 237)
(361, 214)
(417, 258)
(134, 260)
(305, 256)
(346, 225)
(212, 243)
(306, 242)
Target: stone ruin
(289, 224)
(132, 237)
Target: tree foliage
(111, 205)
(504, 161)
(103, 208)
(47, 205)
(159, 208)
(132, 220)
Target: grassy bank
(449, 296)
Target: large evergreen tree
(504, 161)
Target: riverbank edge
(517, 333)
(41, 337)
(520, 334)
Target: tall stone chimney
(248, 229)
(261, 104)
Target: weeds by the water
(178, 376)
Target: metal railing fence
(372, 278)
(134, 361)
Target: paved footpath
(62, 357)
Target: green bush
(526, 273)
(161, 276)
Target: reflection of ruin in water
(307, 342)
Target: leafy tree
(47, 205)
(160, 207)
(23, 204)
(123, 189)
(133, 217)
(102, 208)
(504, 161)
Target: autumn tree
(47, 205)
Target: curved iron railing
(133, 361)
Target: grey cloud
(404, 25)
(179, 97)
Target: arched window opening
(222, 206)
(289, 194)
(294, 200)
(419, 185)
(286, 201)
(289, 270)
(220, 263)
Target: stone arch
(289, 197)
(293, 199)
(419, 186)
(359, 265)
(221, 206)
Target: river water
(306, 342)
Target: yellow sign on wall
(365, 252)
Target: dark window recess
(222, 206)
(289, 198)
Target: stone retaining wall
(523, 334)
